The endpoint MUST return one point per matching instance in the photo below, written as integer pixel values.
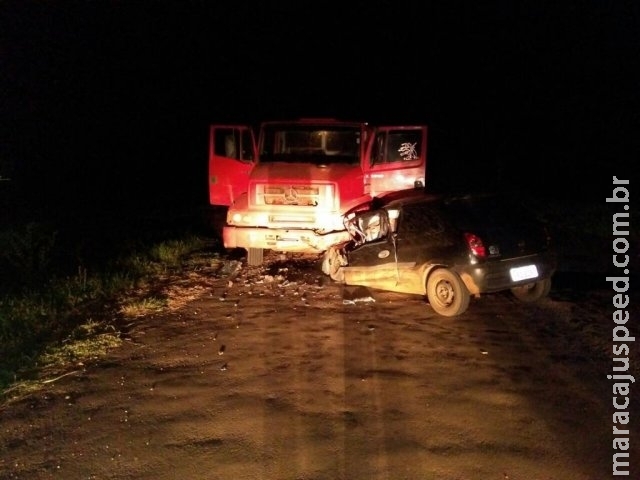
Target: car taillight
(475, 244)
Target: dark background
(106, 104)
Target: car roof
(406, 197)
(420, 195)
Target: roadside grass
(56, 312)
(140, 307)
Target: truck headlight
(248, 219)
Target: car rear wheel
(446, 293)
(532, 292)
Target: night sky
(107, 103)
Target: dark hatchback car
(448, 248)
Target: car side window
(422, 219)
(371, 226)
(374, 228)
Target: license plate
(523, 273)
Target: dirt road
(281, 374)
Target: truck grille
(301, 195)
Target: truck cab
(288, 184)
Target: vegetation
(57, 308)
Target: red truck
(288, 184)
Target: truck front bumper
(283, 240)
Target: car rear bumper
(496, 276)
(284, 240)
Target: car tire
(446, 293)
(532, 292)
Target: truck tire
(332, 265)
(255, 256)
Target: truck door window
(230, 149)
(233, 143)
(226, 143)
(396, 146)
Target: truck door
(232, 153)
(396, 159)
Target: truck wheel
(332, 265)
(447, 294)
(255, 256)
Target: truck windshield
(310, 144)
